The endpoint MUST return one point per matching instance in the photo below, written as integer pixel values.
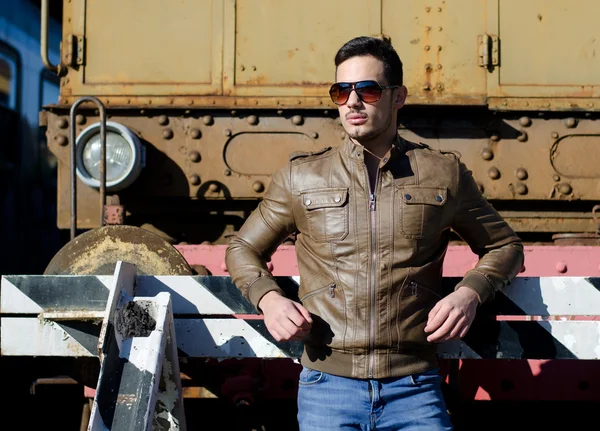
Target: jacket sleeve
(266, 228)
(499, 249)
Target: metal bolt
(494, 137)
(426, 87)
(258, 186)
(427, 28)
(194, 180)
(428, 67)
(297, 120)
(521, 189)
(427, 47)
(522, 136)
(62, 123)
(570, 122)
(427, 9)
(314, 135)
(439, 48)
(494, 173)
(227, 132)
(213, 187)
(252, 120)
(439, 87)
(207, 120)
(242, 68)
(561, 267)
(439, 66)
(233, 112)
(556, 177)
(521, 173)
(163, 120)
(440, 29)
(525, 121)
(167, 134)
(227, 172)
(195, 133)
(439, 9)
(62, 140)
(194, 156)
(565, 188)
(80, 119)
(487, 154)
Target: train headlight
(123, 156)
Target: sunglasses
(367, 91)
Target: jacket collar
(357, 152)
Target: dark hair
(380, 49)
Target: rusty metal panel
(437, 42)
(168, 49)
(285, 48)
(547, 50)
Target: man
(374, 218)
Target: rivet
(439, 66)
(227, 132)
(525, 121)
(427, 9)
(427, 47)
(314, 135)
(427, 28)
(194, 156)
(213, 187)
(258, 186)
(487, 154)
(439, 9)
(554, 135)
(522, 189)
(439, 87)
(428, 66)
(194, 180)
(254, 68)
(307, 202)
(439, 48)
(297, 120)
(565, 188)
(62, 123)
(163, 120)
(522, 136)
(242, 68)
(167, 134)
(227, 172)
(440, 29)
(233, 112)
(561, 267)
(207, 120)
(426, 87)
(62, 140)
(252, 120)
(494, 173)
(556, 177)
(521, 174)
(570, 122)
(407, 197)
(337, 199)
(80, 119)
(439, 198)
(494, 137)
(195, 133)
(385, 159)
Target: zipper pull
(332, 290)
(372, 202)
(414, 291)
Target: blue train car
(28, 230)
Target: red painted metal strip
(547, 318)
(540, 261)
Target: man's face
(368, 121)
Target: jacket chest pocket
(421, 210)
(326, 213)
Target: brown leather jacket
(371, 264)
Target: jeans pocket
(428, 377)
(310, 377)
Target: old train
(205, 99)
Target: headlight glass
(119, 156)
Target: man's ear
(401, 97)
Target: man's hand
(285, 319)
(452, 316)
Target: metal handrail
(73, 162)
(44, 38)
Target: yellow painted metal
(437, 42)
(547, 50)
(275, 53)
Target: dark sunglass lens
(339, 94)
(369, 93)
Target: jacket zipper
(373, 214)
(416, 286)
(331, 288)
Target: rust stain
(415, 41)
(291, 53)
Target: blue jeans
(328, 402)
